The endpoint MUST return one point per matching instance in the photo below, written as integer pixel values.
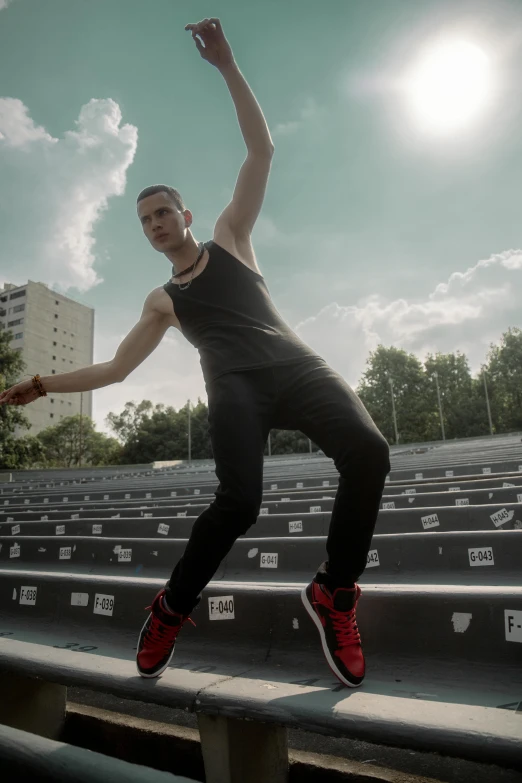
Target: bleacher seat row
(440, 615)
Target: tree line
(410, 401)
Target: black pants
(244, 406)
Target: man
(258, 375)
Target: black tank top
(228, 315)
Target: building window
(3, 299)
(19, 308)
(55, 329)
(54, 372)
(54, 357)
(71, 347)
(52, 400)
(56, 301)
(51, 415)
(16, 323)
(70, 361)
(17, 294)
(56, 315)
(54, 344)
(19, 336)
(70, 403)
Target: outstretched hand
(217, 50)
(21, 394)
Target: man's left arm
(249, 193)
(241, 214)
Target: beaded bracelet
(38, 386)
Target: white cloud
(4, 4)
(308, 113)
(57, 189)
(466, 313)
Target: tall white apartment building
(55, 334)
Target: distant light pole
(487, 403)
(189, 434)
(436, 376)
(390, 381)
(269, 446)
(81, 419)
(310, 444)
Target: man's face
(162, 222)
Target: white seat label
(502, 516)
(513, 621)
(103, 604)
(221, 608)
(268, 560)
(430, 520)
(295, 527)
(79, 599)
(28, 595)
(481, 556)
(372, 559)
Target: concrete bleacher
(25, 756)
(440, 615)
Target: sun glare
(449, 87)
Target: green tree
(504, 379)
(289, 442)
(463, 413)
(161, 433)
(21, 451)
(127, 423)
(416, 419)
(68, 442)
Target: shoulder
(158, 301)
(240, 247)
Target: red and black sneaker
(158, 638)
(334, 615)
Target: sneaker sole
(311, 611)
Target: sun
(449, 88)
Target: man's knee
(240, 508)
(369, 455)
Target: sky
(392, 209)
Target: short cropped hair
(172, 192)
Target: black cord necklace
(184, 271)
